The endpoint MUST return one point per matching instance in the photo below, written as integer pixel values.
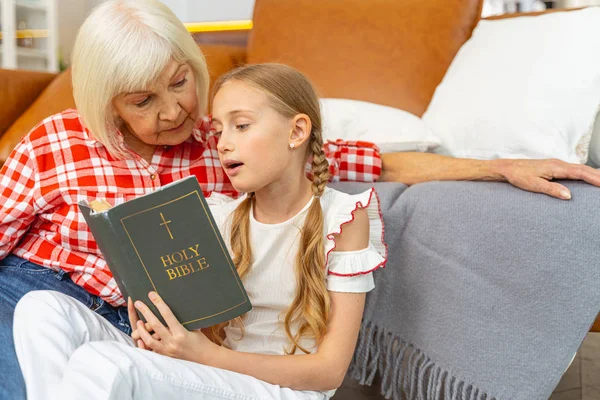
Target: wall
(495, 7)
(211, 10)
(578, 3)
(70, 16)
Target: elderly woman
(140, 85)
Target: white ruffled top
(271, 282)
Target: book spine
(108, 242)
(119, 256)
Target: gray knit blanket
(487, 294)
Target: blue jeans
(17, 278)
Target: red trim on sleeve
(331, 236)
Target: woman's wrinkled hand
(537, 175)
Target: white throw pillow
(389, 128)
(525, 87)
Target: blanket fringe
(406, 372)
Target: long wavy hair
(290, 93)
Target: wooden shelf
(39, 18)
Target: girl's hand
(133, 322)
(174, 340)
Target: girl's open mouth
(232, 167)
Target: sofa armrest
(596, 326)
(57, 97)
(222, 58)
(18, 89)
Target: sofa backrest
(18, 90)
(56, 97)
(391, 52)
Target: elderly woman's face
(164, 114)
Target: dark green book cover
(167, 241)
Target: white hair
(121, 47)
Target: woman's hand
(531, 175)
(174, 340)
(536, 175)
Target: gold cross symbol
(166, 224)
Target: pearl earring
(292, 145)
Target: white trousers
(67, 351)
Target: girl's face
(164, 114)
(254, 147)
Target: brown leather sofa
(385, 51)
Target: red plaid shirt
(60, 163)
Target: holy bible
(167, 241)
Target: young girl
(305, 254)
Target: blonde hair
(122, 47)
(290, 93)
